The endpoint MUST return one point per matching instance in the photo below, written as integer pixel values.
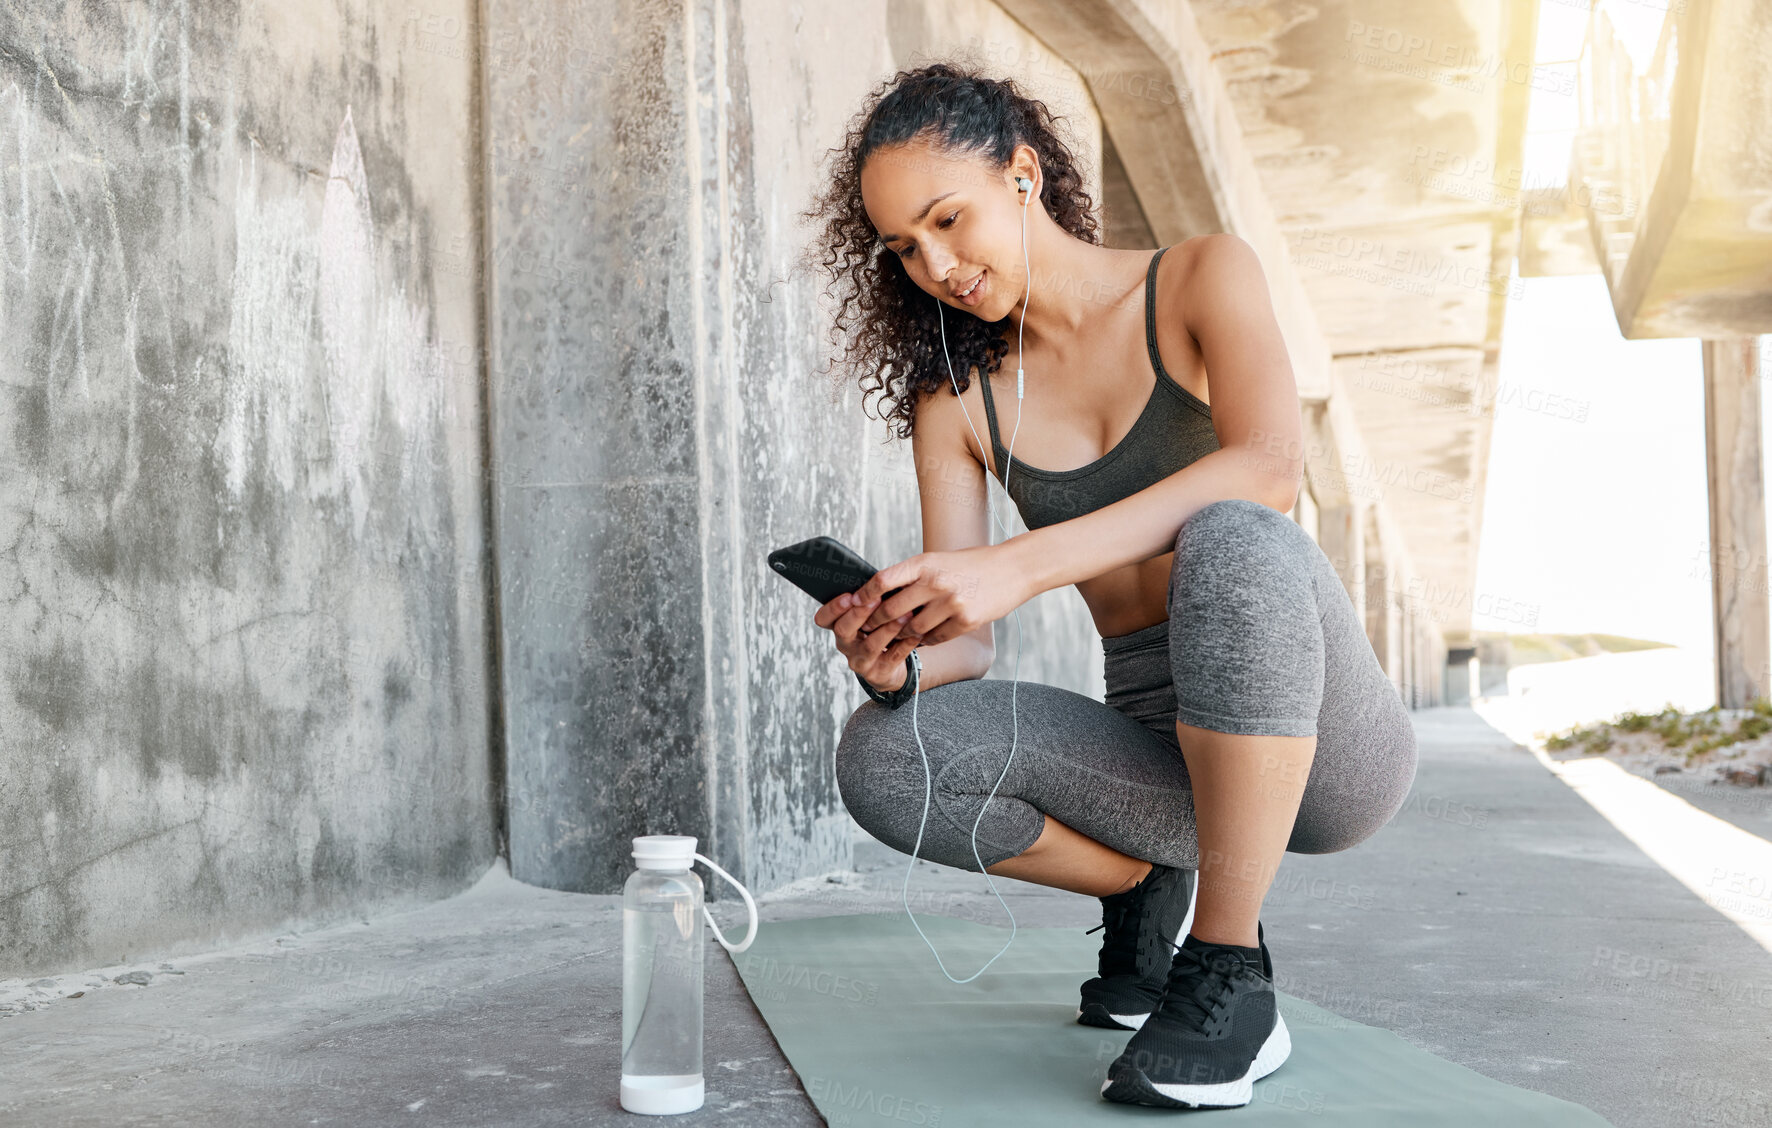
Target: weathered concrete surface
(1554, 238)
(241, 563)
(1388, 143)
(663, 418)
(1734, 375)
(1671, 162)
(1498, 921)
(599, 479)
(1425, 418)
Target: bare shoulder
(1214, 272)
(941, 428)
(1213, 251)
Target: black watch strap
(893, 699)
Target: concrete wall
(662, 420)
(267, 367)
(243, 583)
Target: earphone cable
(928, 776)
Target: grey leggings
(1261, 638)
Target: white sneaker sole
(1130, 1021)
(1225, 1094)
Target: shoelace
(1208, 997)
(1119, 952)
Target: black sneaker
(1216, 1031)
(1144, 924)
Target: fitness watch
(913, 663)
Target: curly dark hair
(893, 330)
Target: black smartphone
(822, 567)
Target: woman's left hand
(952, 593)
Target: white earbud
(1024, 184)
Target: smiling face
(953, 222)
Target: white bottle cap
(674, 852)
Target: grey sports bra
(1174, 429)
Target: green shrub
(1671, 729)
(1692, 735)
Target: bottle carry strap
(748, 904)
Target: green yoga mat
(878, 1035)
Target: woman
(1246, 713)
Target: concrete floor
(1499, 922)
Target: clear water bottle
(661, 964)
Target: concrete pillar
(1432, 672)
(1433, 669)
(618, 203)
(1393, 633)
(1382, 626)
(1417, 678)
(1737, 518)
(1494, 657)
(1417, 681)
(1306, 513)
(1458, 675)
(1406, 648)
(1427, 672)
(1339, 531)
(1424, 694)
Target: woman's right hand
(877, 656)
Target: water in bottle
(661, 996)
